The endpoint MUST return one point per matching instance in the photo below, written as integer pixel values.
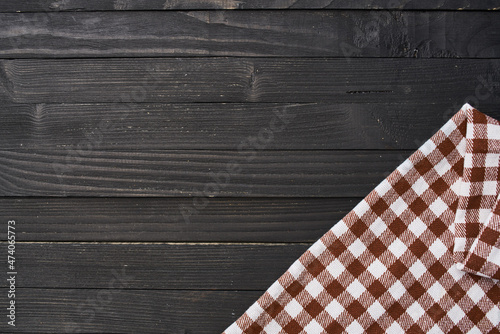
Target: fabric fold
(476, 248)
(484, 256)
(420, 253)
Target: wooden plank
(177, 266)
(119, 5)
(294, 33)
(223, 126)
(202, 174)
(127, 311)
(161, 219)
(219, 79)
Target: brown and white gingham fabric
(419, 254)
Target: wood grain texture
(201, 174)
(295, 33)
(119, 5)
(153, 265)
(161, 219)
(128, 311)
(220, 79)
(319, 126)
(116, 114)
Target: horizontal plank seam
(136, 289)
(493, 9)
(237, 57)
(170, 243)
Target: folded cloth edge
(477, 233)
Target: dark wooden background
(116, 114)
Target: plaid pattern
(419, 254)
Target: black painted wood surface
(279, 33)
(275, 80)
(160, 220)
(119, 5)
(165, 161)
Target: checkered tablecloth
(419, 254)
